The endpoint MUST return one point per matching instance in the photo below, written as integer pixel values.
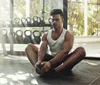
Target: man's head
(57, 18)
(56, 11)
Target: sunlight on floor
(3, 81)
(16, 70)
(34, 81)
(91, 63)
(17, 77)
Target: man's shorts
(48, 57)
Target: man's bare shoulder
(69, 34)
(45, 35)
(69, 39)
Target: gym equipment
(28, 37)
(5, 36)
(12, 35)
(8, 23)
(37, 37)
(3, 43)
(24, 22)
(35, 21)
(41, 23)
(19, 37)
(28, 20)
(43, 31)
(16, 22)
(2, 23)
(50, 24)
(49, 20)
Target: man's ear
(63, 19)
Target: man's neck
(59, 30)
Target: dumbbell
(35, 21)
(13, 35)
(8, 24)
(28, 22)
(5, 36)
(37, 37)
(24, 22)
(19, 36)
(16, 22)
(28, 37)
(41, 23)
(2, 23)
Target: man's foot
(50, 73)
(65, 72)
(40, 67)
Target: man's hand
(37, 67)
(46, 66)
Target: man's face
(57, 21)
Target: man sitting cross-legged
(60, 42)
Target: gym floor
(15, 70)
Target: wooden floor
(17, 70)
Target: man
(60, 42)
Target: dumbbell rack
(11, 33)
(11, 29)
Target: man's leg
(75, 57)
(31, 52)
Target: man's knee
(81, 51)
(29, 47)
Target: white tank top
(55, 45)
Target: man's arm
(67, 46)
(43, 46)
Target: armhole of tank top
(65, 34)
(48, 34)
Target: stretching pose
(60, 42)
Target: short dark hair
(56, 11)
